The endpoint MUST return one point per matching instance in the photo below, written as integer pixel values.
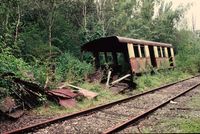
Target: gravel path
(100, 121)
(158, 121)
(27, 119)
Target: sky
(193, 12)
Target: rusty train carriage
(138, 55)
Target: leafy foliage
(11, 64)
(35, 34)
(71, 69)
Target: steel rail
(88, 111)
(134, 119)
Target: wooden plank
(108, 78)
(120, 79)
(86, 93)
(130, 50)
(166, 52)
(155, 48)
(139, 50)
(146, 48)
(161, 51)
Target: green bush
(188, 47)
(71, 69)
(9, 63)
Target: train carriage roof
(116, 44)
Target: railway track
(115, 116)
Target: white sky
(194, 12)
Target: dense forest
(35, 34)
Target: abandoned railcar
(127, 55)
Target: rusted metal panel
(148, 62)
(63, 93)
(162, 62)
(65, 97)
(133, 63)
(158, 62)
(142, 64)
(139, 65)
(67, 103)
(165, 62)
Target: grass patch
(148, 81)
(176, 125)
(195, 102)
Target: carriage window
(159, 51)
(102, 58)
(163, 50)
(136, 51)
(142, 51)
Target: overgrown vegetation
(149, 81)
(69, 68)
(38, 35)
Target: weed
(148, 81)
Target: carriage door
(152, 56)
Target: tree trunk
(17, 25)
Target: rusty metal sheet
(66, 93)
(65, 97)
(133, 64)
(67, 103)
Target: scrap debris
(65, 96)
(9, 107)
(26, 94)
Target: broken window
(163, 50)
(135, 47)
(159, 52)
(142, 51)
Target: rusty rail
(144, 114)
(90, 110)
